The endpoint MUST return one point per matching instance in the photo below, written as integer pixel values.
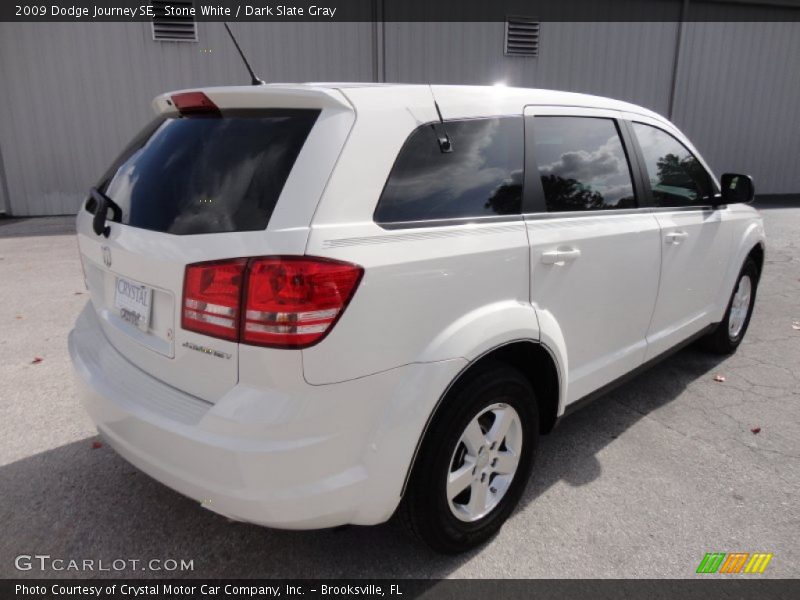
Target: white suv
(322, 304)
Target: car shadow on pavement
(569, 453)
(82, 502)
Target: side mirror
(737, 189)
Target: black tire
(425, 512)
(720, 340)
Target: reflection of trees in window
(482, 176)
(626, 202)
(569, 194)
(676, 176)
(674, 171)
(582, 164)
(506, 199)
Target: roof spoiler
(262, 96)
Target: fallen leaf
(36, 360)
(755, 430)
(719, 378)
(96, 445)
(18, 317)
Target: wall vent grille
(173, 28)
(522, 36)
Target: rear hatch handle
(101, 214)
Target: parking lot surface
(641, 483)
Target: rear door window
(676, 177)
(208, 174)
(582, 164)
(481, 177)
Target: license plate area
(133, 302)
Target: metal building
(73, 94)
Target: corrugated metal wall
(74, 93)
(632, 61)
(738, 98)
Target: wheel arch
(749, 242)
(757, 254)
(534, 359)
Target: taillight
(212, 293)
(294, 302)
(287, 302)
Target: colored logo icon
(734, 562)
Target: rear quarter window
(208, 174)
(482, 176)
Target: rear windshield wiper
(101, 214)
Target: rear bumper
(310, 457)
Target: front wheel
(474, 462)
(727, 336)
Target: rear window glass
(482, 176)
(208, 174)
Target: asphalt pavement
(641, 483)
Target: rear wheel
(474, 461)
(727, 336)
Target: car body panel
(418, 292)
(692, 270)
(294, 456)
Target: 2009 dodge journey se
(322, 304)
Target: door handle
(561, 256)
(568, 255)
(675, 237)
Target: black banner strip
(404, 10)
(712, 588)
